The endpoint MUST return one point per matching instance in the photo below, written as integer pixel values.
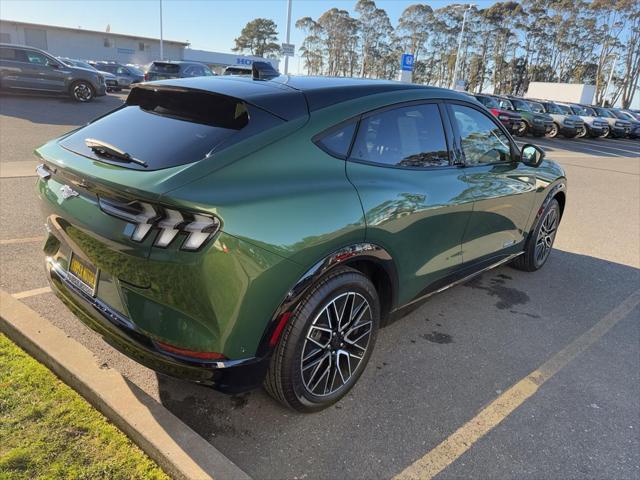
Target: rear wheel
(81, 91)
(327, 343)
(541, 240)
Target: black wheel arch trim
(560, 186)
(344, 256)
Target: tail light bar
(144, 217)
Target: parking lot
(428, 396)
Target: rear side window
(411, 136)
(159, 67)
(482, 140)
(165, 127)
(337, 141)
(8, 54)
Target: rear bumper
(230, 376)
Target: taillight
(495, 111)
(146, 77)
(144, 217)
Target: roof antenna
(263, 71)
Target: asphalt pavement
(433, 372)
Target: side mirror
(532, 155)
(54, 65)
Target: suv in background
(30, 69)
(110, 80)
(164, 70)
(564, 122)
(618, 128)
(126, 75)
(595, 126)
(628, 116)
(538, 124)
(511, 120)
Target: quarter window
(482, 140)
(411, 136)
(338, 141)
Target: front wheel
(327, 342)
(582, 132)
(553, 133)
(82, 91)
(522, 129)
(540, 242)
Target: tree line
(505, 46)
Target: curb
(180, 451)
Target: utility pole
(288, 35)
(455, 69)
(161, 42)
(613, 68)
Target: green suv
(241, 231)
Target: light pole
(464, 21)
(613, 68)
(286, 57)
(161, 42)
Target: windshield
(584, 111)
(561, 108)
(522, 106)
(603, 112)
(536, 107)
(506, 104)
(488, 102)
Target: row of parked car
(24, 68)
(539, 118)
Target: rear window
(166, 127)
(160, 67)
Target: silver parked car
(565, 123)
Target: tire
(554, 132)
(542, 237)
(608, 134)
(82, 91)
(582, 133)
(302, 374)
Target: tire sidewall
(305, 314)
(553, 204)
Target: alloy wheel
(522, 129)
(546, 235)
(553, 133)
(82, 92)
(335, 344)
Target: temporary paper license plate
(83, 275)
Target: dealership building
(84, 44)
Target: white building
(84, 44)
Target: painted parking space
(604, 147)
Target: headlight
(198, 227)
(619, 124)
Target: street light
(464, 20)
(288, 35)
(161, 42)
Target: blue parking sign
(407, 62)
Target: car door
(41, 72)
(503, 188)
(11, 64)
(414, 197)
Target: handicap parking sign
(407, 62)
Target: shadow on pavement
(56, 110)
(417, 389)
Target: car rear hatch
(101, 185)
(163, 71)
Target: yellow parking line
(13, 241)
(31, 293)
(462, 439)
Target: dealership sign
(407, 62)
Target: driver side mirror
(54, 65)
(532, 155)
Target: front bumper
(569, 131)
(230, 376)
(596, 131)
